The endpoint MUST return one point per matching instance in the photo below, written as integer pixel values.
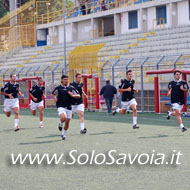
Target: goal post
(25, 85)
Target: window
(133, 20)
(161, 14)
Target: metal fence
(113, 70)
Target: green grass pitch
(104, 133)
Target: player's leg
(133, 105)
(33, 107)
(7, 108)
(179, 120)
(16, 122)
(62, 114)
(41, 114)
(66, 127)
(134, 110)
(67, 119)
(80, 111)
(121, 110)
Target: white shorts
(76, 108)
(34, 105)
(11, 103)
(68, 113)
(176, 106)
(125, 105)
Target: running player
(62, 95)
(128, 99)
(77, 104)
(37, 92)
(176, 89)
(11, 92)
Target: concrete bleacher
(159, 42)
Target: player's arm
(44, 94)
(6, 94)
(169, 89)
(125, 90)
(134, 89)
(73, 95)
(184, 87)
(20, 94)
(84, 94)
(31, 95)
(54, 95)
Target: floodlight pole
(64, 34)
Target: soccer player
(176, 89)
(128, 99)
(62, 95)
(11, 92)
(77, 104)
(37, 92)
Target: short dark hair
(77, 75)
(64, 76)
(39, 78)
(177, 71)
(12, 74)
(108, 82)
(128, 71)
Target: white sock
(118, 110)
(134, 120)
(181, 126)
(169, 113)
(64, 132)
(41, 123)
(81, 126)
(16, 122)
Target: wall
(61, 34)
(183, 13)
(84, 28)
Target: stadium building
(103, 39)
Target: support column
(97, 93)
(184, 77)
(156, 94)
(117, 24)
(85, 91)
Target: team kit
(68, 99)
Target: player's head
(78, 77)
(129, 74)
(108, 82)
(65, 80)
(177, 74)
(40, 81)
(13, 77)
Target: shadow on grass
(153, 137)
(103, 133)
(43, 142)
(49, 136)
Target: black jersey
(37, 92)
(78, 89)
(63, 98)
(127, 96)
(177, 95)
(10, 88)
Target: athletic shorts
(176, 106)
(68, 113)
(125, 105)
(76, 108)
(34, 105)
(11, 103)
